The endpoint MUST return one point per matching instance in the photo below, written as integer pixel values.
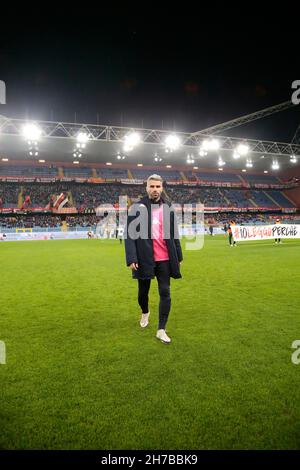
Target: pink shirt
(159, 245)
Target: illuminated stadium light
(172, 143)
(140, 164)
(236, 155)
(242, 149)
(168, 166)
(293, 159)
(76, 162)
(221, 162)
(120, 157)
(108, 163)
(243, 170)
(82, 138)
(249, 163)
(31, 132)
(266, 171)
(157, 158)
(131, 141)
(4, 159)
(41, 161)
(36, 154)
(275, 165)
(190, 159)
(195, 168)
(202, 153)
(210, 144)
(220, 169)
(77, 153)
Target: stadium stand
(261, 179)
(280, 198)
(166, 175)
(78, 172)
(218, 177)
(29, 171)
(8, 195)
(261, 199)
(113, 174)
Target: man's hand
(134, 266)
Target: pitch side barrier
(243, 233)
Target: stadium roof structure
(58, 143)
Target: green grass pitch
(81, 374)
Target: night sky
(184, 71)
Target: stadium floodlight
(190, 159)
(82, 139)
(242, 149)
(120, 157)
(195, 168)
(210, 145)
(76, 162)
(293, 159)
(243, 170)
(131, 141)
(236, 155)
(31, 132)
(157, 158)
(172, 143)
(275, 165)
(202, 153)
(4, 159)
(140, 164)
(221, 162)
(168, 166)
(249, 163)
(266, 171)
(41, 161)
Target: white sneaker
(145, 319)
(162, 335)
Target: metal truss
(245, 119)
(296, 138)
(192, 141)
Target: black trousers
(162, 273)
(231, 239)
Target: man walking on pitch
(232, 242)
(153, 250)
